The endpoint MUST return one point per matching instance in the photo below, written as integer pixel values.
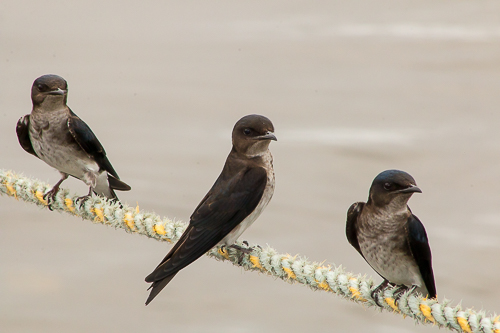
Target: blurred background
(353, 88)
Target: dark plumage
(243, 189)
(389, 237)
(53, 133)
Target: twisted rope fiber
(267, 260)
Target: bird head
(252, 135)
(393, 187)
(49, 90)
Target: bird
(237, 198)
(390, 237)
(57, 136)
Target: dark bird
(242, 191)
(57, 136)
(389, 237)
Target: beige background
(352, 87)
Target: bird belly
(392, 263)
(64, 155)
(239, 229)
(101, 186)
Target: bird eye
(387, 186)
(42, 87)
(247, 131)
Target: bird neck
(380, 220)
(397, 207)
(40, 117)
(251, 149)
(258, 149)
(244, 160)
(51, 104)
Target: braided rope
(268, 261)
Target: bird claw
(115, 200)
(376, 292)
(397, 293)
(400, 291)
(82, 200)
(374, 295)
(223, 251)
(244, 251)
(50, 197)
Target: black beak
(267, 136)
(411, 189)
(59, 91)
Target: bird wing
(87, 140)
(419, 245)
(351, 229)
(23, 134)
(351, 225)
(226, 205)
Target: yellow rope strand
(284, 266)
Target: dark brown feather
(351, 228)
(228, 203)
(421, 251)
(23, 134)
(87, 140)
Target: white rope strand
(267, 260)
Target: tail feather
(158, 286)
(106, 192)
(104, 186)
(117, 184)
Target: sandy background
(352, 87)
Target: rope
(315, 275)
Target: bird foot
(50, 196)
(243, 250)
(252, 248)
(400, 291)
(223, 252)
(115, 200)
(82, 200)
(376, 292)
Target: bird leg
(375, 293)
(253, 247)
(50, 195)
(243, 250)
(85, 197)
(401, 290)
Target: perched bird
(242, 191)
(53, 133)
(389, 237)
